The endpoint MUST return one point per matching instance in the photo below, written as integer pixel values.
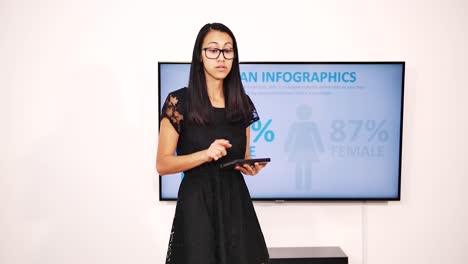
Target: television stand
(307, 255)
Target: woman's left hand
(248, 169)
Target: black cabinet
(307, 255)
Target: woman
(208, 123)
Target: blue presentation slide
(332, 130)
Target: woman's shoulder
(174, 108)
(177, 98)
(180, 93)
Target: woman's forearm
(169, 164)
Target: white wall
(78, 131)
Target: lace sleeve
(172, 110)
(253, 113)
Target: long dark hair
(237, 104)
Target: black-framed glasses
(213, 53)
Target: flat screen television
(333, 130)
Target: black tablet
(233, 163)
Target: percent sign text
(262, 130)
(372, 128)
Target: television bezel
(308, 199)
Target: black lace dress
(215, 221)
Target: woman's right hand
(217, 149)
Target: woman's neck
(216, 93)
